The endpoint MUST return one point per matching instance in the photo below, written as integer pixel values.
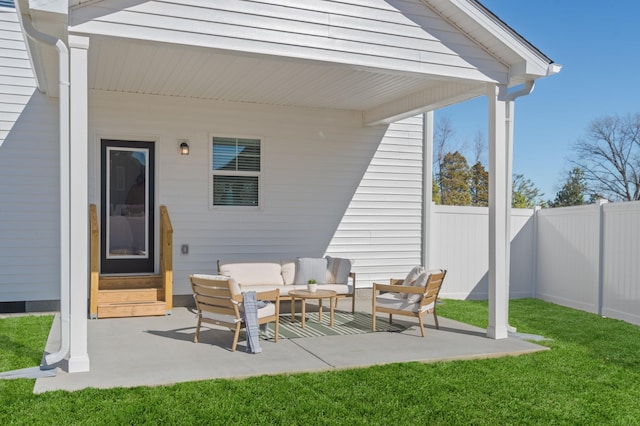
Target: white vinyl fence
(460, 244)
(585, 257)
(588, 258)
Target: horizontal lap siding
(381, 229)
(29, 191)
(317, 165)
(369, 34)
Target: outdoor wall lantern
(184, 147)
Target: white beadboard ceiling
(174, 70)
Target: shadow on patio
(149, 351)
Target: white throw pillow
(308, 268)
(413, 275)
(338, 270)
(421, 281)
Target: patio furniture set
(219, 298)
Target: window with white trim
(235, 171)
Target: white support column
(509, 117)
(427, 188)
(79, 203)
(498, 212)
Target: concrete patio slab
(151, 351)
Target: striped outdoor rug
(343, 323)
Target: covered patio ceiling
(125, 65)
(423, 61)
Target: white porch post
(79, 203)
(498, 212)
(427, 183)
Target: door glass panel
(128, 201)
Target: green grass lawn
(591, 376)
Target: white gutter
(527, 89)
(65, 308)
(510, 106)
(510, 99)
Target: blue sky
(598, 45)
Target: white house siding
(29, 191)
(568, 249)
(460, 245)
(381, 229)
(314, 161)
(400, 35)
(17, 83)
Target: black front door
(127, 216)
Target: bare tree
(442, 136)
(479, 145)
(609, 155)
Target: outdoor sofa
(330, 273)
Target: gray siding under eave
(29, 189)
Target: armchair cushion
(267, 310)
(413, 275)
(421, 281)
(389, 300)
(235, 288)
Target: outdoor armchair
(414, 299)
(220, 302)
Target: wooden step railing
(94, 262)
(166, 257)
(131, 284)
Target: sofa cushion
(268, 287)
(338, 288)
(308, 268)
(253, 273)
(288, 271)
(337, 270)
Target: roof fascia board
(535, 64)
(52, 6)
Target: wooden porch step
(119, 282)
(121, 296)
(134, 309)
(131, 295)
